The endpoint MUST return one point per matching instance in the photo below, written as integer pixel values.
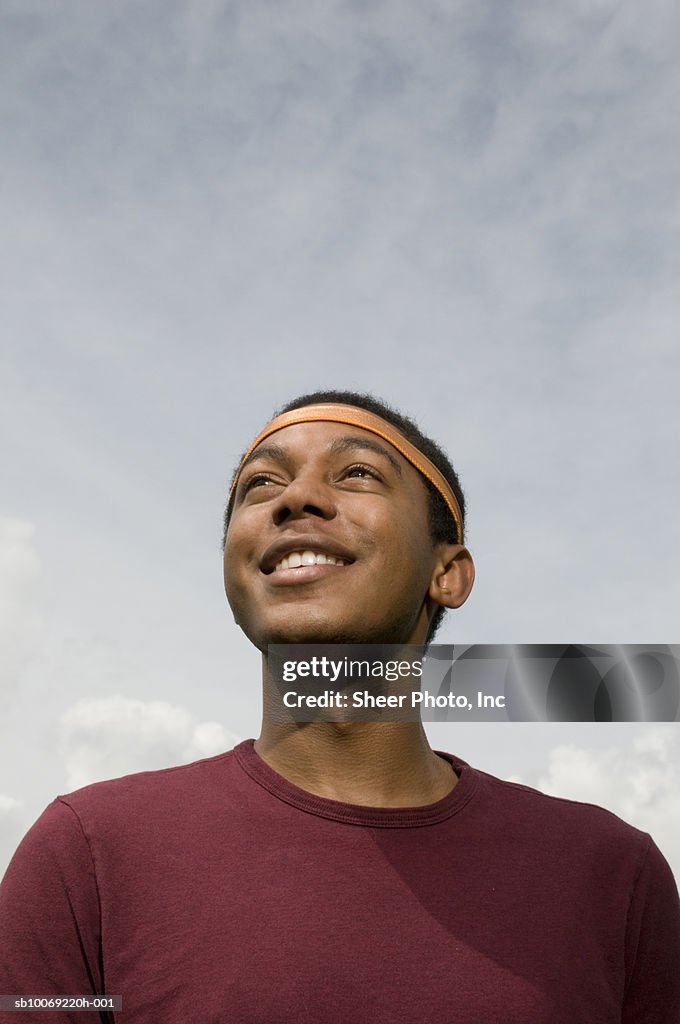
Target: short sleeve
(49, 918)
(653, 945)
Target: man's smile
(298, 558)
(303, 552)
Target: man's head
(327, 486)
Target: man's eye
(256, 481)
(362, 471)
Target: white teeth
(297, 558)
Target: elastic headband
(356, 417)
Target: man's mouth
(298, 558)
(309, 552)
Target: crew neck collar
(358, 814)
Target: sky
(468, 209)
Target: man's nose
(306, 495)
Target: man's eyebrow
(346, 444)
(278, 453)
(266, 451)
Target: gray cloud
(21, 613)
(208, 207)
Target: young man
(332, 872)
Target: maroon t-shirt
(219, 892)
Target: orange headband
(376, 425)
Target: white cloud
(640, 783)
(12, 827)
(8, 804)
(113, 736)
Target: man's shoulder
(149, 792)
(122, 818)
(560, 821)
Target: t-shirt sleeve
(49, 918)
(653, 945)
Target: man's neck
(371, 764)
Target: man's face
(329, 489)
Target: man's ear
(453, 576)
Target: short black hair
(441, 523)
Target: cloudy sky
(469, 209)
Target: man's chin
(324, 633)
